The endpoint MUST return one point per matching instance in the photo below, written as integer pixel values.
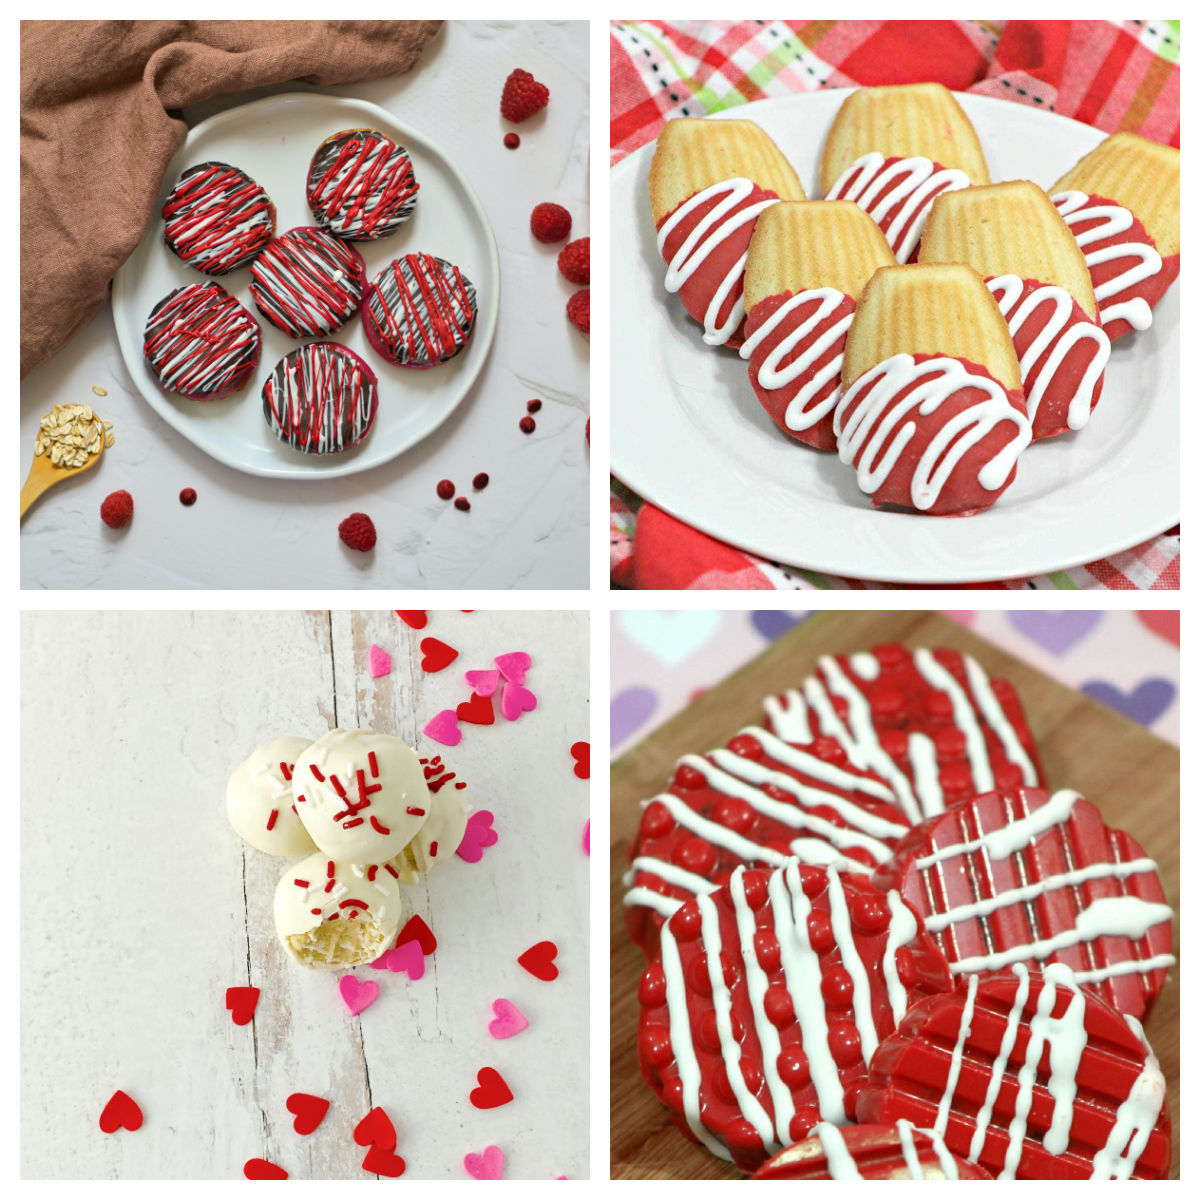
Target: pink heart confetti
(487, 1165)
(380, 660)
(513, 665)
(357, 994)
(483, 682)
(509, 1020)
(478, 834)
(515, 700)
(444, 728)
(409, 958)
(587, 838)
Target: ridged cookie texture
(693, 153)
(904, 121)
(816, 244)
(1008, 229)
(942, 309)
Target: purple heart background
(1057, 632)
(629, 711)
(772, 622)
(1144, 704)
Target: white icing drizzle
(964, 1028)
(993, 712)
(771, 375)
(1111, 916)
(1074, 209)
(936, 922)
(908, 1147)
(1136, 1117)
(720, 835)
(843, 933)
(872, 430)
(683, 1049)
(922, 754)
(865, 666)
(824, 772)
(901, 931)
(942, 680)
(1046, 353)
(670, 873)
(1145, 966)
(644, 897)
(1012, 1027)
(713, 228)
(918, 184)
(1014, 836)
(838, 1158)
(789, 716)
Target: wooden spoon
(43, 475)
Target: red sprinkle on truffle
(462, 504)
(533, 406)
(527, 424)
(480, 481)
(187, 497)
(445, 489)
(512, 140)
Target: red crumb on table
(550, 223)
(480, 481)
(522, 96)
(445, 489)
(527, 424)
(512, 140)
(116, 510)
(187, 497)
(533, 406)
(462, 504)
(358, 532)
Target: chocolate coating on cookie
(307, 282)
(321, 398)
(361, 185)
(420, 311)
(217, 218)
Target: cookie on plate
(217, 218)
(361, 185)
(308, 283)
(420, 311)
(321, 399)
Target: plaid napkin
(1113, 75)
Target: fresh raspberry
(187, 497)
(522, 96)
(579, 310)
(533, 406)
(512, 141)
(550, 223)
(480, 481)
(462, 504)
(445, 489)
(358, 532)
(527, 424)
(117, 509)
(575, 260)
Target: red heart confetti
(581, 752)
(416, 930)
(121, 1112)
(539, 961)
(438, 656)
(260, 1168)
(492, 1091)
(309, 1111)
(383, 1162)
(478, 710)
(376, 1129)
(415, 618)
(241, 1002)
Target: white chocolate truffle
(361, 795)
(438, 838)
(259, 799)
(333, 915)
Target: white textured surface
(156, 905)
(528, 529)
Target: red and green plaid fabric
(1121, 75)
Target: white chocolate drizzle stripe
(838, 1158)
(1016, 835)
(956, 1057)
(1136, 1117)
(818, 768)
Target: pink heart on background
(1164, 622)
(409, 958)
(381, 662)
(444, 728)
(357, 994)
(478, 834)
(513, 665)
(587, 838)
(483, 682)
(509, 1020)
(487, 1165)
(515, 700)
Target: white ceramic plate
(689, 435)
(273, 141)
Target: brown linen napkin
(97, 133)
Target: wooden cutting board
(1131, 775)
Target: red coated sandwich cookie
(768, 999)
(201, 343)
(709, 182)
(1121, 202)
(1028, 1075)
(361, 185)
(420, 311)
(806, 267)
(932, 415)
(899, 1151)
(321, 399)
(307, 282)
(759, 802)
(1023, 876)
(930, 723)
(1041, 283)
(217, 218)
(893, 150)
